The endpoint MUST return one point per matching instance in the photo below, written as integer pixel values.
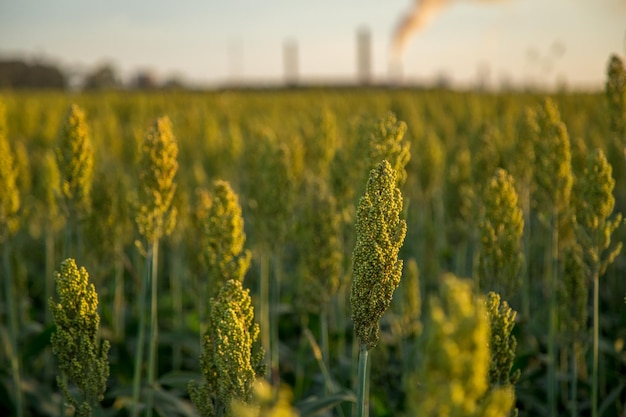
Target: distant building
(291, 63)
(364, 56)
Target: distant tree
(20, 74)
(103, 77)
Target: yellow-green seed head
(231, 361)
(553, 170)
(452, 375)
(158, 166)
(594, 203)
(75, 343)
(376, 270)
(386, 143)
(319, 231)
(501, 230)
(222, 235)
(75, 161)
(10, 195)
(502, 343)
(615, 91)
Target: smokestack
(364, 56)
(290, 56)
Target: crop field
(314, 251)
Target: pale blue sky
(205, 40)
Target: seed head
(376, 270)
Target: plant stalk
(154, 327)
(362, 399)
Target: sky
(208, 42)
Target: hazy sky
(210, 41)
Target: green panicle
(375, 265)
(81, 356)
(615, 91)
(553, 169)
(158, 166)
(501, 230)
(319, 232)
(386, 143)
(75, 161)
(502, 343)
(460, 195)
(431, 163)
(452, 377)
(574, 291)
(49, 188)
(485, 159)
(594, 203)
(10, 195)
(222, 236)
(231, 360)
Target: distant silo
(364, 56)
(290, 52)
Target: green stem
(49, 290)
(274, 318)
(574, 386)
(596, 336)
(552, 322)
(177, 304)
(154, 327)
(11, 312)
(264, 315)
(142, 334)
(525, 269)
(362, 400)
(118, 298)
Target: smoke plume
(422, 12)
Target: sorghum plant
(222, 235)
(553, 178)
(501, 229)
(82, 357)
(502, 344)
(231, 359)
(452, 377)
(155, 218)
(9, 221)
(376, 270)
(75, 161)
(386, 143)
(594, 204)
(615, 91)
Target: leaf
(314, 406)
(610, 399)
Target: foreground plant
(453, 375)
(155, 219)
(375, 266)
(81, 355)
(9, 221)
(594, 208)
(231, 360)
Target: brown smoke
(422, 12)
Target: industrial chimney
(364, 56)
(290, 55)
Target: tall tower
(364, 56)
(290, 56)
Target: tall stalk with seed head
(453, 374)
(553, 177)
(222, 238)
(500, 255)
(82, 357)
(75, 161)
(231, 359)
(615, 92)
(155, 219)
(376, 270)
(594, 204)
(9, 206)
